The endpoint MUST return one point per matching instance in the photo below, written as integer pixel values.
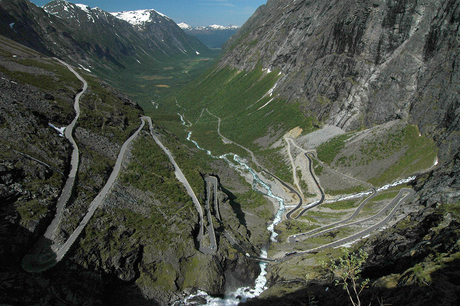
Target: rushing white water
(243, 293)
(233, 298)
(366, 193)
(394, 184)
(258, 181)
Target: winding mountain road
(403, 195)
(46, 252)
(68, 133)
(321, 200)
(399, 199)
(335, 226)
(43, 244)
(331, 226)
(96, 203)
(181, 177)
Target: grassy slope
(399, 151)
(248, 112)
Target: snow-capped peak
(185, 26)
(217, 27)
(84, 7)
(137, 17)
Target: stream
(243, 293)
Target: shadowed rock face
(357, 63)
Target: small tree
(347, 269)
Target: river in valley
(243, 293)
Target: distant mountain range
(213, 27)
(213, 36)
(93, 38)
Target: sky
(192, 12)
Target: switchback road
(45, 258)
(46, 253)
(67, 191)
(397, 201)
(181, 177)
(96, 203)
(48, 237)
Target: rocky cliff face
(350, 64)
(355, 64)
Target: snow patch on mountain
(185, 26)
(84, 7)
(137, 17)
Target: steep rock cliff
(357, 63)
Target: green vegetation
(346, 161)
(103, 112)
(205, 134)
(275, 163)
(54, 76)
(161, 276)
(320, 216)
(326, 238)
(419, 153)
(348, 269)
(152, 171)
(385, 195)
(355, 189)
(31, 210)
(317, 167)
(237, 98)
(35, 209)
(252, 199)
(302, 182)
(451, 208)
(291, 227)
(156, 78)
(382, 147)
(192, 269)
(339, 205)
(328, 151)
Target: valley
(280, 251)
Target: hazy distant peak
(214, 27)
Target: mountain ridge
(61, 26)
(357, 48)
